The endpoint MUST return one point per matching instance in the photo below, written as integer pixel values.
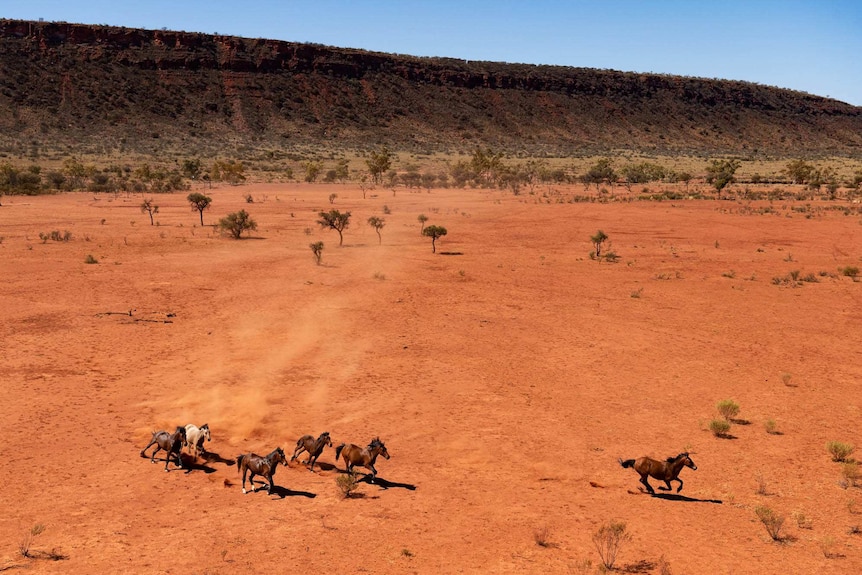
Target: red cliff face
(101, 79)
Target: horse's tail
(627, 463)
(239, 460)
(338, 451)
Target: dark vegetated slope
(156, 91)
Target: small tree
(599, 239)
(335, 220)
(199, 203)
(332, 197)
(317, 250)
(379, 163)
(720, 173)
(422, 219)
(150, 208)
(312, 170)
(377, 224)
(236, 223)
(434, 232)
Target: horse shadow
(282, 492)
(678, 497)
(212, 456)
(384, 484)
(190, 465)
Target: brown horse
(257, 465)
(314, 447)
(666, 471)
(363, 457)
(170, 442)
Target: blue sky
(809, 45)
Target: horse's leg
(680, 484)
(243, 480)
(645, 481)
(373, 472)
(153, 454)
(299, 449)
(313, 460)
(143, 451)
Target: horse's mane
(680, 456)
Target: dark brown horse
(257, 465)
(170, 442)
(666, 471)
(362, 456)
(314, 447)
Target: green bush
(727, 408)
(719, 427)
(839, 450)
(771, 520)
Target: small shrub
(762, 487)
(27, 540)
(542, 536)
(850, 271)
(719, 427)
(379, 276)
(839, 450)
(771, 427)
(90, 259)
(727, 408)
(406, 553)
(785, 379)
(236, 223)
(249, 199)
(771, 520)
(347, 484)
(827, 543)
(731, 274)
(802, 521)
(608, 541)
(850, 474)
(317, 250)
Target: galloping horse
(195, 437)
(666, 471)
(314, 447)
(257, 465)
(363, 457)
(170, 442)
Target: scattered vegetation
(90, 259)
(199, 203)
(850, 474)
(317, 250)
(237, 223)
(542, 536)
(422, 218)
(608, 540)
(29, 537)
(771, 427)
(719, 427)
(148, 207)
(335, 220)
(434, 232)
(728, 409)
(347, 483)
(839, 450)
(55, 236)
(771, 520)
(377, 223)
(598, 241)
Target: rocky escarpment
(79, 84)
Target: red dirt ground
(506, 374)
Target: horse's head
(326, 439)
(181, 431)
(280, 456)
(205, 428)
(686, 460)
(377, 445)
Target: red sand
(505, 378)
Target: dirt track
(506, 374)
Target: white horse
(195, 438)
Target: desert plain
(507, 374)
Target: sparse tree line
(486, 168)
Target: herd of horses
(250, 464)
